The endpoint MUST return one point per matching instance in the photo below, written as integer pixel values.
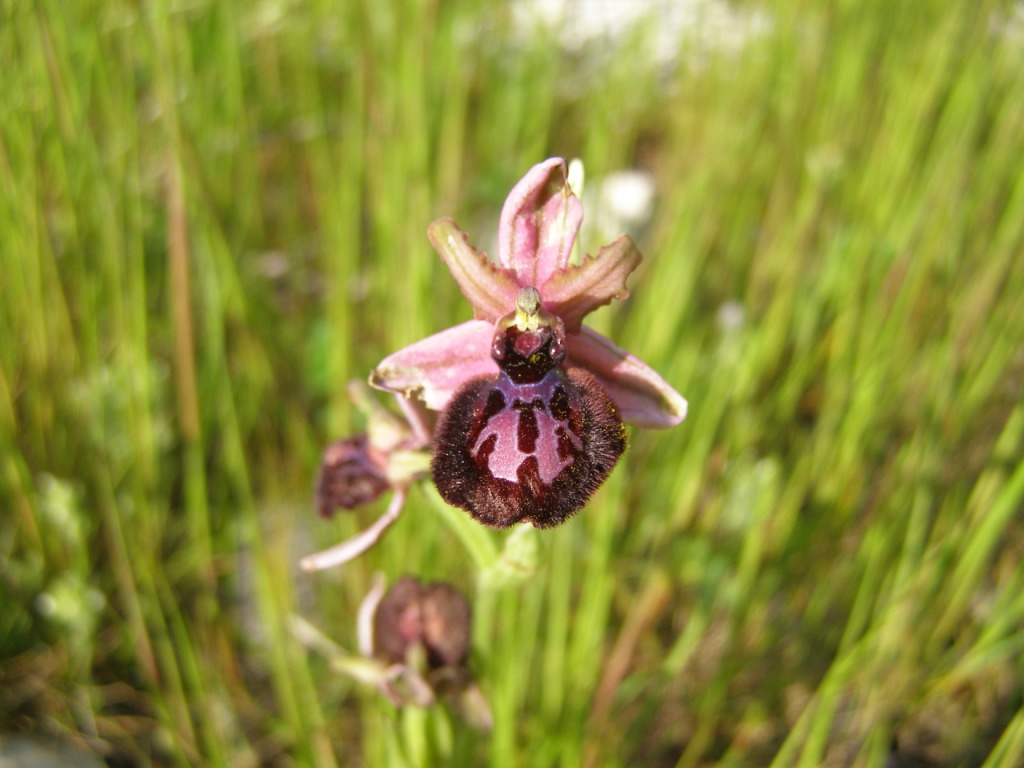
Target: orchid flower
(532, 401)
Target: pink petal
(367, 609)
(433, 368)
(643, 397)
(355, 546)
(573, 293)
(539, 223)
(490, 289)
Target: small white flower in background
(621, 202)
(730, 316)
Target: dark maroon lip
(532, 450)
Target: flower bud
(434, 616)
(349, 477)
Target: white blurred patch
(620, 203)
(697, 26)
(628, 196)
(730, 316)
(1009, 24)
(29, 751)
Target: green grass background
(212, 216)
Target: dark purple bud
(435, 616)
(349, 477)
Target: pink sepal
(434, 367)
(642, 396)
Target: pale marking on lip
(506, 458)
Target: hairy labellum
(532, 443)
